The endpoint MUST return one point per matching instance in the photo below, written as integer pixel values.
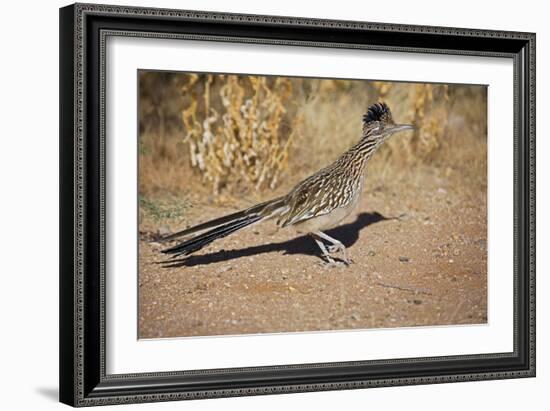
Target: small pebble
(163, 231)
(404, 259)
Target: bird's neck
(363, 150)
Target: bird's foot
(331, 262)
(340, 248)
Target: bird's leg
(336, 245)
(324, 251)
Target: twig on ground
(402, 288)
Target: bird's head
(378, 123)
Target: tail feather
(198, 242)
(223, 220)
(222, 227)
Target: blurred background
(222, 137)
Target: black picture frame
(83, 29)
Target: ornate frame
(83, 30)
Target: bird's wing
(311, 198)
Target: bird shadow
(348, 234)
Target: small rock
(404, 259)
(417, 302)
(355, 317)
(372, 253)
(164, 231)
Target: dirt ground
(419, 252)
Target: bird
(316, 204)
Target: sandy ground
(419, 253)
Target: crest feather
(376, 112)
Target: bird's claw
(331, 262)
(340, 248)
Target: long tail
(221, 227)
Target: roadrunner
(318, 203)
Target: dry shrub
(424, 105)
(429, 114)
(238, 138)
(157, 112)
(382, 88)
(242, 133)
(163, 169)
(331, 114)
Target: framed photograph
(260, 204)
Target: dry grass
(219, 137)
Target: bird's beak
(401, 127)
